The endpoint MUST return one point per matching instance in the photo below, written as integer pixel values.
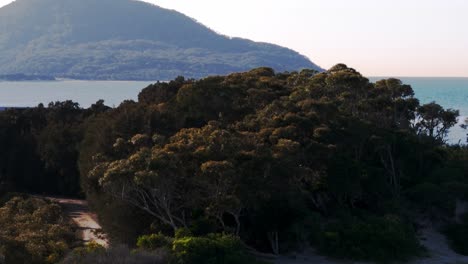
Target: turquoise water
(448, 92)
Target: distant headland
(125, 40)
(25, 77)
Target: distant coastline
(3, 108)
(377, 78)
(45, 78)
(25, 77)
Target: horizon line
(406, 76)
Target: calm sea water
(448, 92)
(24, 94)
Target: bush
(116, 255)
(375, 238)
(33, 230)
(213, 249)
(153, 241)
(183, 232)
(89, 248)
(457, 235)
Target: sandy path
(438, 248)
(78, 211)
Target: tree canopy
(277, 159)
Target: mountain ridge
(124, 39)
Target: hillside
(123, 39)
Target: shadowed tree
(434, 121)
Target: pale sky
(377, 37)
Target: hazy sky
(377, 37)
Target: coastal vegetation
(34, 231)
(260, 161)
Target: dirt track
(78, 211)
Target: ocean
(448, 92)
(31, 93)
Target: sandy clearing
(79, 212)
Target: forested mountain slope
(123, 39)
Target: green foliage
(213, 249)
(153, 241)
(33, 231)
(183, 232)
(254, 154)
(435, 121)
(88, 249)
(115, 255)
(47, 139)
(157, 248)
(374, 238)
(271, 158)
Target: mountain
(124, 39)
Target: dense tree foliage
(279, 160)
(40, 147)
(258, 154)
(33, 231)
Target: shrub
(195, 250)
(213, 249)
(33, 231)
(116, 255)
(153, 241)
(183, 232)
(93, 247)
(375, 238)
(457, 234)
